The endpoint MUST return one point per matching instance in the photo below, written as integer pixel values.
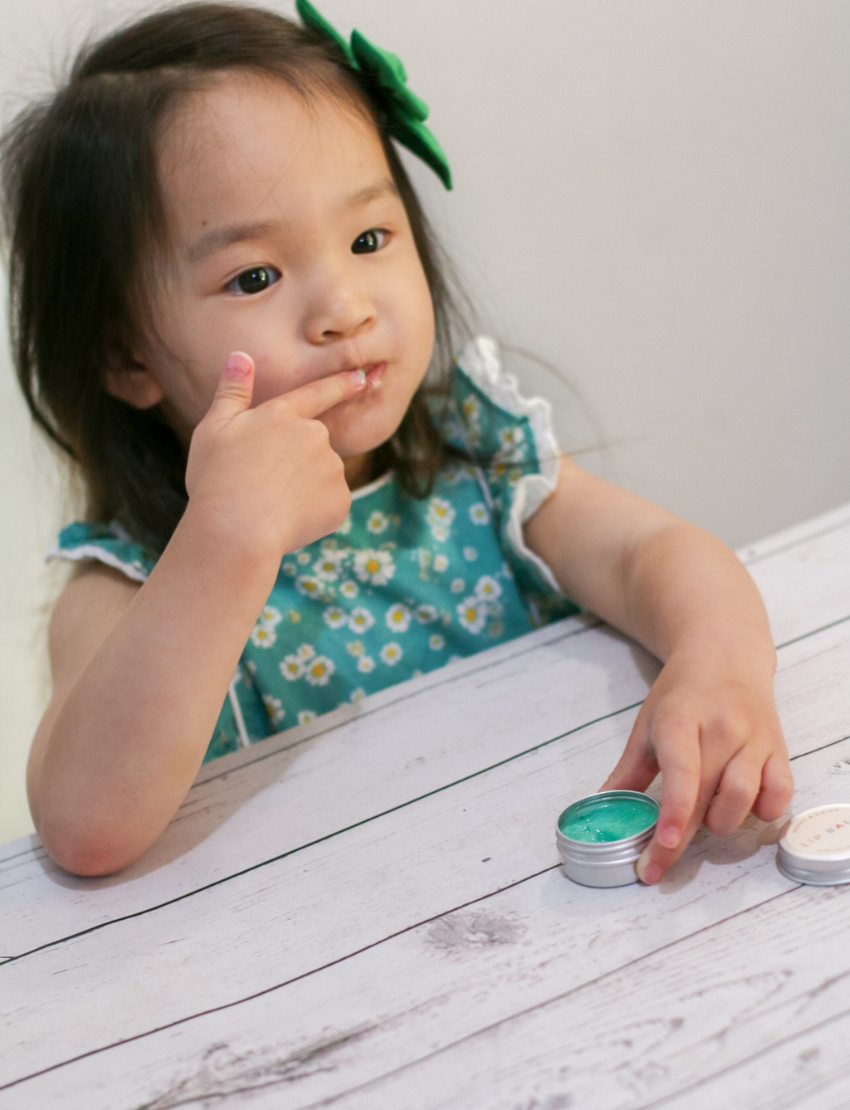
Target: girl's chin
(360, 426)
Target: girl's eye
(254, 280)
(369, 242)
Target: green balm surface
(608, 819)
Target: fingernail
(359, 376)
(648, 873)
(668, 836)
(237, 366)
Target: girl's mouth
(374, 374)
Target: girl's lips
(374, 373)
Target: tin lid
(815, 846)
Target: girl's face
(289, 241)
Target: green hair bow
(404, 112)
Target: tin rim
(837, 877)
(596, 846)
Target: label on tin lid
(822, 833)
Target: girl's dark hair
(81, 199)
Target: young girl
(229, 310)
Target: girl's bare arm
(709, 724)
(141, 673)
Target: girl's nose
(336, 311)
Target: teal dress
(404, 585)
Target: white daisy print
(376, 567)
(398, 618)
(305, 652)
(294, 616)
(361, 619)
(391, 653)
(378, 522)
(270, 616)
(274, 708)
(440, 532)
(309, 586)
(262, 636)
(366, 664)
(303, 557)
(327, 568)
(250, 667)
(440, 511)
(349, 589)
(478, 513)
(487, 587)
(510, 440)
(291, 569)
(494, 608)
(496, 628)
(306, 716)
(319, 670)
(458, 585)
(292, 667)
(471, 408)
(425, 614)
(470, 554)
(334, 617)
(436, 642)
(355, 648)
(441, 562)
(357, 695)
(472, 614)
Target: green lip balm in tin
(601, 837)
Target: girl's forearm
(132, 731)
(662, 581)
(685, 589)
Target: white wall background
(650, 194)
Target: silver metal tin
(815, 846)
(611, 862)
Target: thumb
(637, 766)
(235, 388)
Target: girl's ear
(131, 381)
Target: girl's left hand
(709, 725)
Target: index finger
(314, 398)
(681, 813)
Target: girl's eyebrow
(372, 192)
(220, 237)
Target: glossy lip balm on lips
(601, 837)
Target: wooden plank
(806, 587)
(834, 520)
(338, 897)
(806, 1071)
(229, 821)
(630, 1039)
(604, 980)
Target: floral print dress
(404, 585)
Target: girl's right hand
(269, 474)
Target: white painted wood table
(368, 912)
